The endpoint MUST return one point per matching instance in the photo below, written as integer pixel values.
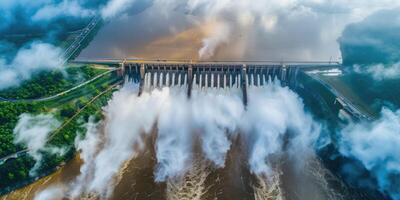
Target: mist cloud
(33, 132)
(373, 40)
(28, 60)
(276, 114)
(376, 144)
(40, 14)
(210, 44)
(174, 139)
(211, 118)
(66, 8)
(32, 28)
(372, 46)
(88, 147)
(127, 118)
(217, 114)
(380, 72)
(115, 7)
(51, 193)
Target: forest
(72, 109)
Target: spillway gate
(157, 75)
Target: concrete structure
(208, 74)
(158, 74)
(79, 40)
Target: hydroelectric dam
(230, 74)
(210, 74)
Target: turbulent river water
(203, 181)
(163, 146)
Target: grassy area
(73, 109)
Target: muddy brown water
(204, 181)
(64, 174)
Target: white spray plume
(174, 140)
(218, 36)
(216, 114)
(272, 112)
(88, 147)
(33, 131)
(211, 115)
(51, 193)
(376, 145)
(127, 117)
(33, 58)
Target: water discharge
(163, 145)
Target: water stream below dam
(203, 181)
(153, 168)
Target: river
(203, 181)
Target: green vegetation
(73, 109)
(45, 84)
(9, 113)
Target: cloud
(30, 16)
(376, 144)
(380, 72)
(271, 20)
(372, 46)
(208, 120)
(273, 113)
(87, 147)
(33, 132)
(28, 30)
(211, 43)
(115, 7)
(373, 40)
(65, 8)
(32, 28)
(51, 193)
(30, 59)
(216, 122)
(174, 139)
(127, 118)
